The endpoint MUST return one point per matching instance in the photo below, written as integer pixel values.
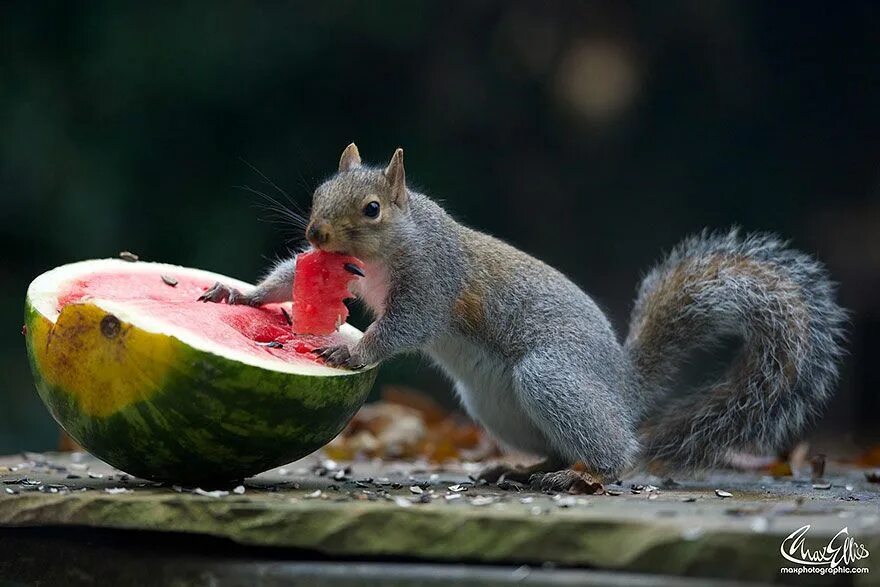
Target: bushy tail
(779, 301)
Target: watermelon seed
(128, 256)
(353, 269)
(24, 330)
(287, 317)
(169, 280)
(110, 326)
(272, 344)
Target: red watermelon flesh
(320, 285)
(262, 332)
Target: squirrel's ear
(350, 159)
(396, 177)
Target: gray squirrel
(534, 359)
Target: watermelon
(167, 388)
(320, 284)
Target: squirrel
(535, 360)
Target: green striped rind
(214, 420)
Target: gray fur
(537, 362)
(779, 302)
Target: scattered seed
(287, 317)
(613, 492)
(721, 493)
(458, 488)
(128, 256)
(95, 475)
(169, 280)
(396, 485)
(217, 493)
(313, 495)
(481, 500)
(115, 490)
(452, 497)
(527, 500)
(11, 491)
(564, 502)
(821, 485)
(272, 344)
(239, 490)
(416, 489)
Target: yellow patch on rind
(103, 363)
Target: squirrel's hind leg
(583, 417)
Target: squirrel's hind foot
(566, 480)
(518, 473)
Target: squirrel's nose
(318, 233)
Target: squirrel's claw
(339, 356)
(219, 293)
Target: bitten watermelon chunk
(320, 285)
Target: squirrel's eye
(371, 210)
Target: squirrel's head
(353, 211)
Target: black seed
(287, 317)
(110, 326)
(272, 344)
(128, 256)
(169, 280)
(353, 269)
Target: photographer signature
(842, 549)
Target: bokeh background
(591, 134)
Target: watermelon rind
(164, 403)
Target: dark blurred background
(591, 134)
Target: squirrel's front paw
(219, 292)
(341, 356)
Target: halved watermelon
(168, 388)
(320, 285)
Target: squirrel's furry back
(778, 301)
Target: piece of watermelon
(165, 387)
(320, 285)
